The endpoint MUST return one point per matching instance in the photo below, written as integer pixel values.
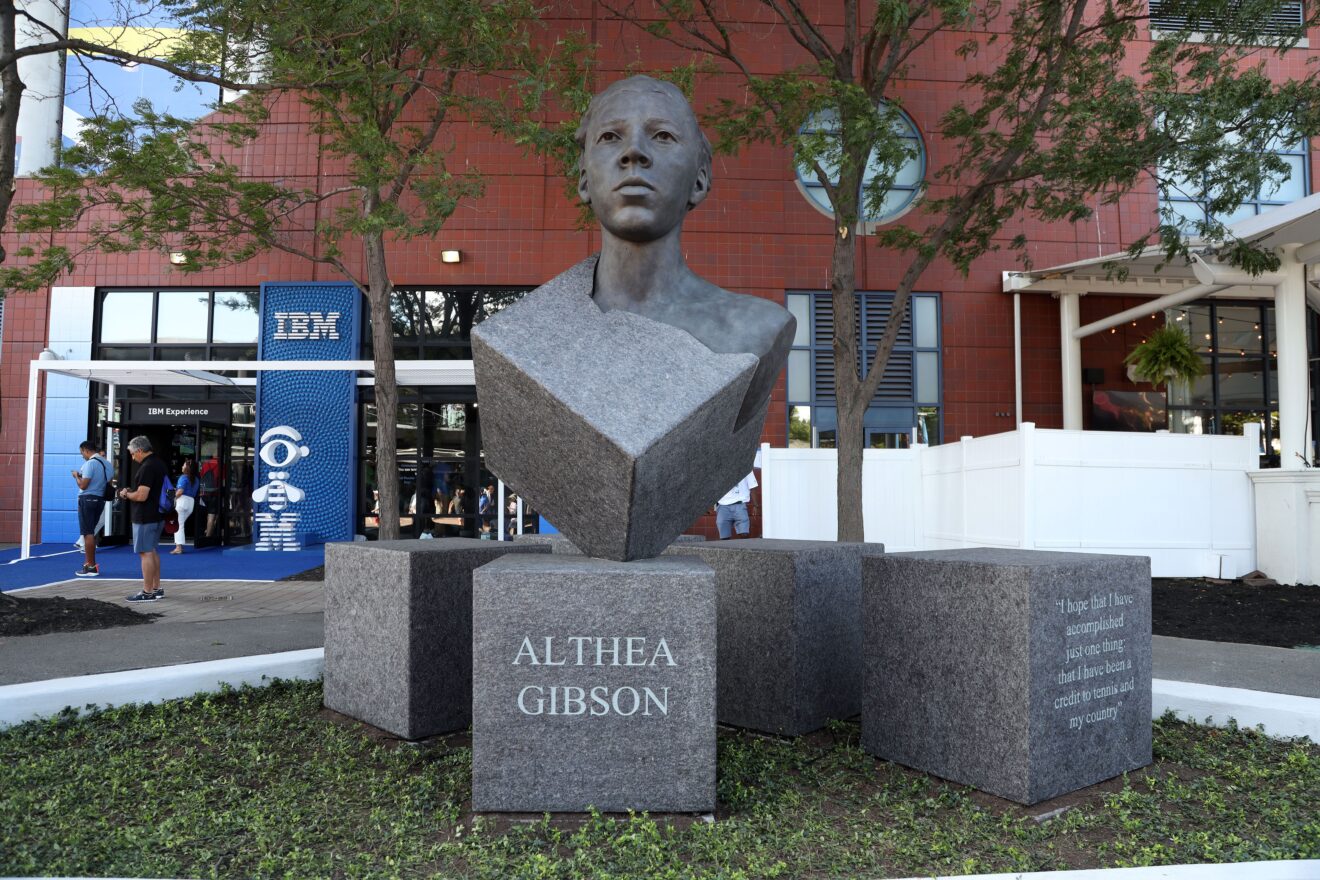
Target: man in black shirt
(145, 514)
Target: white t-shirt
(742, 491)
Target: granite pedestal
(1025, 674)
(790, 652)
(593, 685)
(398, 631)
(560, 543)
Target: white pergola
(204, 373)
(1292, 231)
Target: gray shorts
(146, 536)
(731, 517)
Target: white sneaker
(78, 543)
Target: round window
(902, 192)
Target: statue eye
(607, 136)
(663, 135)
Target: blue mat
(52, 563)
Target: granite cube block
(398, 631)
(1025, 674)
(618, 429)
(593, 685)
(790, 651)
(561, 544)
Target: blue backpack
(167, 495)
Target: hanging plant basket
(1166, 354)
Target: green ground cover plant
(266, 783)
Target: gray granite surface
(577, 702)
(790, 650)
(618, 429)
(398, 631)
(1026, 674)
(561, 544)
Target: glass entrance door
(213, 494)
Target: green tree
(198, 55)
(1059, 114)
(387, 88)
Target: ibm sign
(306, 325)
(304, 488)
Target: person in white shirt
(731, 511)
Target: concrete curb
(1281, 715)
(42, 699)
(1307, 870)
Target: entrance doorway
(221, 459)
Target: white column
(1290, 329)
(1017, 359)
(1070, 319)
(29, 460)
(41, 111)
(499, 523)
(109, 453)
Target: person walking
(93, 478)
(185, 500)
(145, 513)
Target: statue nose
(636, 155)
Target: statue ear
(700, 187)
(583, 192)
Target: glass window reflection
(235, 316)
(182, 316)
(126, 316)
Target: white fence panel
(1183, 500)
(943, 514)
(992, 486)
(798, 494)
(892, 497)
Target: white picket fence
(1183, 500)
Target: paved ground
(210, 620)
(200, 620)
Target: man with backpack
(94, 490)
(148, 499)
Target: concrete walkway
(200, 620)
(211, 620)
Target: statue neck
(629, 274)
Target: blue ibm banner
(306, 419)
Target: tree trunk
(379, 291)
(11, 95)
(850, 404)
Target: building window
(433, 323)
(1240, 383)
(178, 325)
(909, 400)
(902, 192)
(1284, 20)
(1183, 204)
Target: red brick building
(758, 233)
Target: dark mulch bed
(1188, 608)
(37, 616)
(1196, 608)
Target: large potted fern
(1165, 355)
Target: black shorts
(89, 513)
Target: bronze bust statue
(645, 164)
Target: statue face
(641, 167)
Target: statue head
(645, 162)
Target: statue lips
(634, 186)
